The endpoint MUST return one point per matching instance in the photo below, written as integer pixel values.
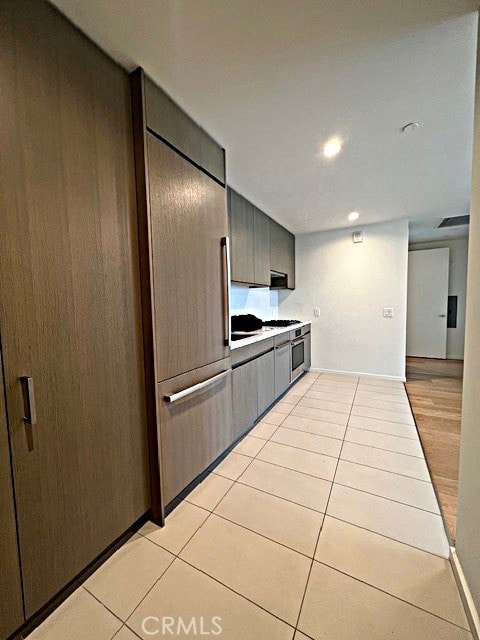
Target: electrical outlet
(388, 312)
(316, 312)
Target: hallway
(435, 391)
(322, 523)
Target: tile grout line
(383, 433)
(391, 595)
(319, 533)
(353, 524)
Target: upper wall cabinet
(259, 246)
(167, 120)
(241, 222)
(282, 252)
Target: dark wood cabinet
(188, 221)
(266, 381)
(261, 250)
(282, 252)
(196, 425)
(182, 210)
(11, 603)
(245, 397)
(168, 121)
(241, 228)
(259, 246)
(70, 312)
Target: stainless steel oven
(297, 347)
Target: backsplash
(261, 302)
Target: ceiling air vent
(456, 221)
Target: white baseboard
(378, 376)
(468, 603)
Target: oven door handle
(297, 342)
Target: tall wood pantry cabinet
(73, 450)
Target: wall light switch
(316, 312)
(388, 312)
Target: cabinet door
(290, 240)
(11, 605)
(282, 368)
(241, 219)
(245, 397)
(261, 248)
(188, 221)
(282, 252)
(266, 381)
(70, 311)
(308, 351)
(195, 429)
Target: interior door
(427, 303)
(70, 312)
(188, 213)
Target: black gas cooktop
(279, 323)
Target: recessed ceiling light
(353, 216)
(332, 147)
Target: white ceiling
(271, 80)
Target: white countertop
(263, 334)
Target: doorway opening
(437, 280)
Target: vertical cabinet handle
(28, 400)
(226, 292)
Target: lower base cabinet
(195, 425)
(245, 397)
(282, 368)
(266, 381)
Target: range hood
(278, 280)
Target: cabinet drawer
(195, 426)
(250, 351)
(282, 339)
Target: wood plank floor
(435, 391)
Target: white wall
(457, 286)
(262, 302)
(468, 518)
(352, 283)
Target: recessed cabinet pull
(28, 400)
(225, 244)
(196, 387)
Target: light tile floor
(322, 523)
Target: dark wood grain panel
(11, 603)
(188, 220)
(241, 224)
(168, 120)
(194, 431)
(70, 306)
(261, 250)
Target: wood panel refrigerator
(181, 199)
